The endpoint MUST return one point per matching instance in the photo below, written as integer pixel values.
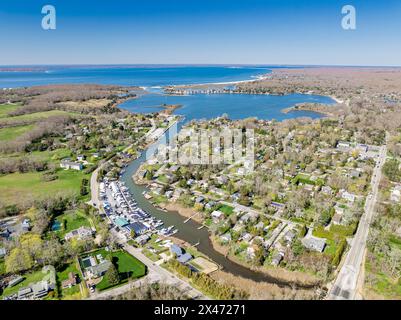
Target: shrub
(339, 252)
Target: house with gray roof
(314, 243)
(98, 270)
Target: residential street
(345, 286)
(157, 273)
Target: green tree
(18, 260)
(112, 275)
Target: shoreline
(315, 108)
(257, 78)
(281, 274)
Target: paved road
(155, 272)
(345, 286)
(94, 185)
(158, 273)
(150, 278)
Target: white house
(66, 164)
(217, 215)
(80, 233)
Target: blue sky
(202, 32)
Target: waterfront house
(225, 238)
(184, 258)
(143, 239)
(250, 252)
(174, 249)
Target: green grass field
(33, 117)
(128, 267)
(5, 109)
(29, 278)
(53, 156)
(8, 134)
(31, 186)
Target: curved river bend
(189, 231)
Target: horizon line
(199, 64)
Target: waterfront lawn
(62, 274)
(152, 256)
(9, 134)
(152, 243)
(33, 187)
(28, 279)
(157, 198)
(71, 220)
(162, 179)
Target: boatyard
(124, 214)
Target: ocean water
(236, 106)
(146, 76)
(153, 77)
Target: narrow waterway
(189, 231)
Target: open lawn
(128, 267)
(227, 210)
(53, 156)
(33, 117)
(8, 134)
(29, 278)
(71, 220)
(29, 186)
(5, 109)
